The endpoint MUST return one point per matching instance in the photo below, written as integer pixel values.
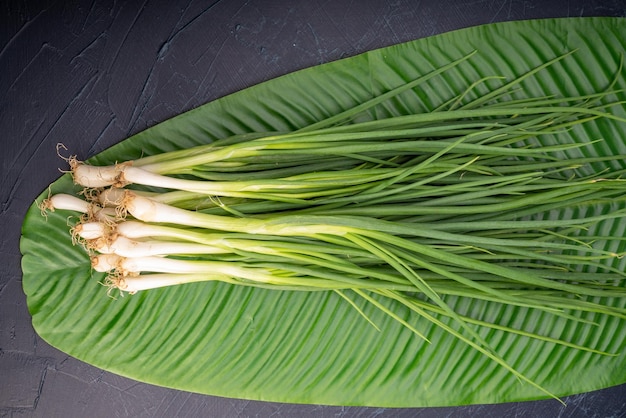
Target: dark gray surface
(90, 74)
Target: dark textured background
(91, 73)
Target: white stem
(91, 230)
(105, 262)
(166, 265)
(133, 284)
(138, 230)
(148, 210)
(126, 247)
(96, 176)
(107, 215)
(145, 209)
(170, 272)
(135, 175)
(111, 197)
(171, 265)
(62, 201)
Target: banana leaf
(314, 347)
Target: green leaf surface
(302, 347)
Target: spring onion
(414, 208)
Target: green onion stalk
(413, 210)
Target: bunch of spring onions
(412, 209)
